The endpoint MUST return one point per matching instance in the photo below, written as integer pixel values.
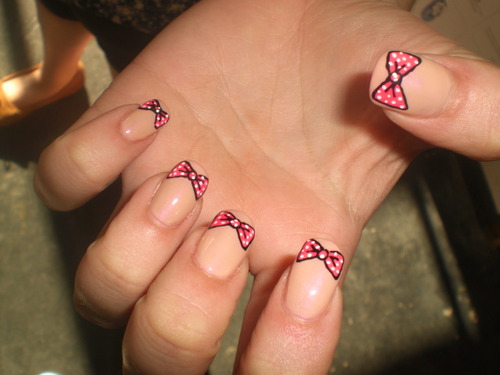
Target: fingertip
(178, 194)
(86, 159)
(448, 101)
(313, 280)
(304, 311)
(144, 120)
(185, 312)
(222, 251)
(408, 83)
(118, 268)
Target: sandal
(9, 113)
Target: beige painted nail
(411, 84)
(176, 197)
(222, 249)
(144, 122)
(311, 285)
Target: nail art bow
(246, 233)
(185, 169)
(161, 117)
(334, 261)
(399, 64)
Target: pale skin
(271, 99)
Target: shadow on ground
(21, 143)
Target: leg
(63, 44)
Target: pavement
(421, 297)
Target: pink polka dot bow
(399, 64)
(198, 181)
(334, 261)
(246, 233)
(161, 117)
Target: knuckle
(93, 313)
(123, 279)
(185, 327)
(107, 286)
(85, 163)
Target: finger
(450, 102)
(83, 161)
(299, 328)
(119, 266)
(177, 327)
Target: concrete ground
(421, 297)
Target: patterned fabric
(147, 16)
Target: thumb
(450, 102)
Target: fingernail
(223, 246)
(313, 280)
(406, 82)
(145, 121)
(177, 194)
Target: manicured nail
(145, 121)
(313, 280)
(223, 246)
(407, 82)
(176, 198)
(199, 182)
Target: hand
(272, 100)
